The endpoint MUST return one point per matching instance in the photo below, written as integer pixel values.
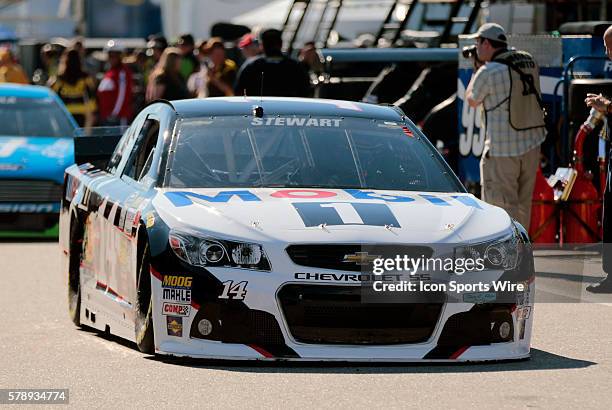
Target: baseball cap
(113, 46)
(247, 40)
(185, 39)
(212, 43)
(491, 31)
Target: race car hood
(35, 157)
(334, 216)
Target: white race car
(280, 228)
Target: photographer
(507, 84)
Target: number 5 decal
(233, 291)
(345, 213)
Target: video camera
(469, 51)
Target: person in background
(77, 44)
(166, 81)
(89, 64)
(196, 80)
(189, 62)
(76, 88)
(10, 71)
(272, 74)
(310, 60)
(249, 46)
(604, 105)
(216, 75)
(155, 47)
(137, 62)
(115, 90)
(506, 83)
(49, 58)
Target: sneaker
(605, 286)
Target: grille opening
(321, 314)
(24, 190)
(333, 256)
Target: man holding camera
(507, 85)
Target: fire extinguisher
(581, 214)
(544, 226)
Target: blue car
(36, 146)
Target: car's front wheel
(144, 302)
(74, 272)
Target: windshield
(296, 151)
(32, 117)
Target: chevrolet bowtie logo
(360, 258)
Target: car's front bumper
(258, 327)
(26, 225)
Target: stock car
(36, 146)
(248, 228)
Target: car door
(102, 198)
(132, 193)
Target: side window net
(142, 155)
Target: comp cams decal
(176, 309)
(176, 289)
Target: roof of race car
(25, 91)
(282, 106)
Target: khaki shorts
(508, 182)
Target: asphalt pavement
(570, 367)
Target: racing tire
(74, 272)
(145, 339)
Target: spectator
(137, 62)
(310, 59)
(282, 76)
(49, 56)
(311, 62)
(166, 81)
(604, 105)
(115, 89)
(507, 84)
(77, 44)
(217, 75)
(156, 46)
(76, 88)
(10, 71)
(189, 62)
(89, 65)
(249, 46)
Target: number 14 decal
(231, 290)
